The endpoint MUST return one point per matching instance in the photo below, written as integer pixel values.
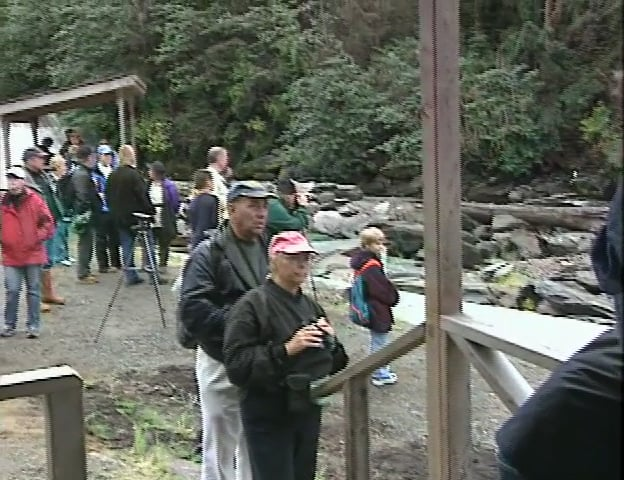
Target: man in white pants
(217, 274)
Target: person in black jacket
(126, 194)
(203, 212)
(277, 342)
(571, 427)
(217, 274)
(87, 206)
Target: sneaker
(7, 332)
(71, 259)
(391, 379)
(67, 263)
(32, 333)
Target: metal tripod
(142, 232)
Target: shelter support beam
(132, 117)
(34, 128)
(5, 150)
(121, 114)
(448, 370)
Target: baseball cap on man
(290, 242)
(104, 150)
(17, 172)
(249, 189)
(31, 153)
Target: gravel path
(134, 340)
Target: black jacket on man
(126, 193)
(215, 277)
(86, 198)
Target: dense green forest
(331, 87)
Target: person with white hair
(218, 166)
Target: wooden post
(34, 128)
(65, 434)
(5, 150)
(357, 446)
(121, 114)
(132, 115)
(448, 371)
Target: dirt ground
(139, 395)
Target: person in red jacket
(26, 225)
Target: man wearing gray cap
(87, 207)
(217, 274)
(38, 179)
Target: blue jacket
(100, 185)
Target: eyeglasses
(298, 257)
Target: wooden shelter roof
(27, 108)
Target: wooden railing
(353, 381)
(61, 388)
(528, 336)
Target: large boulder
(567, 300)
(564, 244)
(405, 239)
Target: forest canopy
(331, 87)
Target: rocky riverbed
(529, 253)
(532, 255)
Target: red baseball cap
(290, 242)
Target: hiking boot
(136, 281)
(47, 290)
(88, 280)
(391, 379)
(7, 332)
(45, 308)
(32, 333)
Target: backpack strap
(370, 263)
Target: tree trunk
(588, 219)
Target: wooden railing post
(65, 435)
(357, 445)
(62, 391)
(448, 370)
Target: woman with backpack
(372, 297)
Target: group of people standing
(94, 193)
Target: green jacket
(42, 184)
(281, 218)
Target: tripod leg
(109, 308)
(153, 273)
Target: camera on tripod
(145, 221)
